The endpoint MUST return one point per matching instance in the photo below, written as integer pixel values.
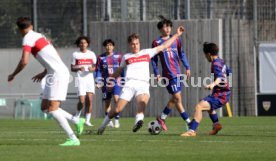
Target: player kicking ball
(220, 92)
(137, 78)
(171, 70)
(57, 78)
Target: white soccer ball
(154, 127)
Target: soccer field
(242, 138)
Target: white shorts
(56, 87)
(85, 85)
(134, 88)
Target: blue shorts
(218, 101)
(173, 87)
(107, 95)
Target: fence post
(177, 9)
(209, 9)
(188, 10)
(35, 14)
(142, 10)
(124, 14)
(255, 19)
(84, 17)
(108, 11)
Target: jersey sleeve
(120, 60)
(27, 44)
(228, 70)
(218, 70)
(182, 54)
(73, 60)
(94, 58)
(98, 69)
(154, 60)
(152, 52)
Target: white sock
(188, 120)
(87, 117)
(78, 113)
(139, 117)
(69, 117)
(105, 121)
(60, 118)
(163, 116)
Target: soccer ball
(154, 127)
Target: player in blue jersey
(170, 61)
(220, 91)
(107, 63)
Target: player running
(170, 61)
(137, 78)
(220, 91)
(57, 78)
(107, 63)
(83, 63)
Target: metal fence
(63, 20)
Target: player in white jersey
(83, 63)
(57, 78)
(137, 78)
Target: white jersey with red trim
(44, 52)
(85, 60)
(137, 65)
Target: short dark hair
(132, 36)
(107, 41)
(77, 42)
(23, 22)
(163, 22)
(211, 48)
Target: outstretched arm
(154, 60)
(169, 42)
(183, 58)
(21, 65)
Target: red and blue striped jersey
(107, 65)
(220, 70)
(170, 59)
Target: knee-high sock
(139, 117)
(165, 113)
(60, 118)
(105, 121)
(69, 117)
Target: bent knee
(199, 107)
(118, 110)
(44, 108)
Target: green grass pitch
(242, 138)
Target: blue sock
(214, 117)
(184, 116)
(167, 110)
(117, 117)
(193, 125)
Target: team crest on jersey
(266, 105)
